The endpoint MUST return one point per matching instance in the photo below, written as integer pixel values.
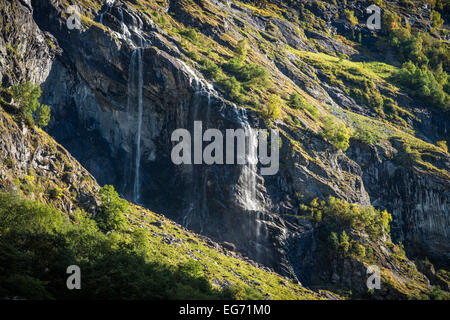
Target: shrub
(233, 66)
(235, 292)
(391, 21)
(212, 70)
(337, 134)
(297, 102)
(443, 145)
(42, 115)
(231, 86)
(359, 250)
(26, 95)
(8, 162)
(55, 193)
(20, 215)
(334, 241)
(365, 134)
(342, 57)
(254, 75)
(344, 242)
(426, 61)
(249, 74)
(436, 19)
(272, 109)
(241, 50)
(422, 83)
(350, 15)
(112, 210)
(342, 224)
(189, 34)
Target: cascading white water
(109, 4)
(125, 29)
(199, 206)
(135, 91)
(135, 87)
(136, 188)
(248, 176)
(131, 75)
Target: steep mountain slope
(34, 169)
(138, 70)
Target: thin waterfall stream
(136, 187)
(135, 85)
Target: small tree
(272, 110)
(436, 19)
(359, 250)
(26, 95)
(112, 210)
(344, 242)
(334, 241)
(42, 115)
(232, 87)
(337, 134)
(296, 102)
(241, 50)
(350, 15)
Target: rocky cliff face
(123, 83)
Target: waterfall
(131, 76)
(109, 4)
(136, 188)
(248, 179)
(198, 208)
(135, 84)
(125, 29)
(248, 175)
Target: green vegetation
(26, 95)
(350, 15)
(341, 224)
(212, 70)
(9, 163)
(350, 233)
(297, 102)
(38, 243)
(422, 83)
(189, 34)
(365, 134)
(336, 133)
(55, 193)
(358, 80)
(241, 50)
(426, 61)
(443, 145)
(250, 75)
(13, 51)
(436, 19)
(272, 109)
(112, 210)
(242, 82)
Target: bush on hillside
(26, 95)
(336, 133)
(112, 210)
(297, 102)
